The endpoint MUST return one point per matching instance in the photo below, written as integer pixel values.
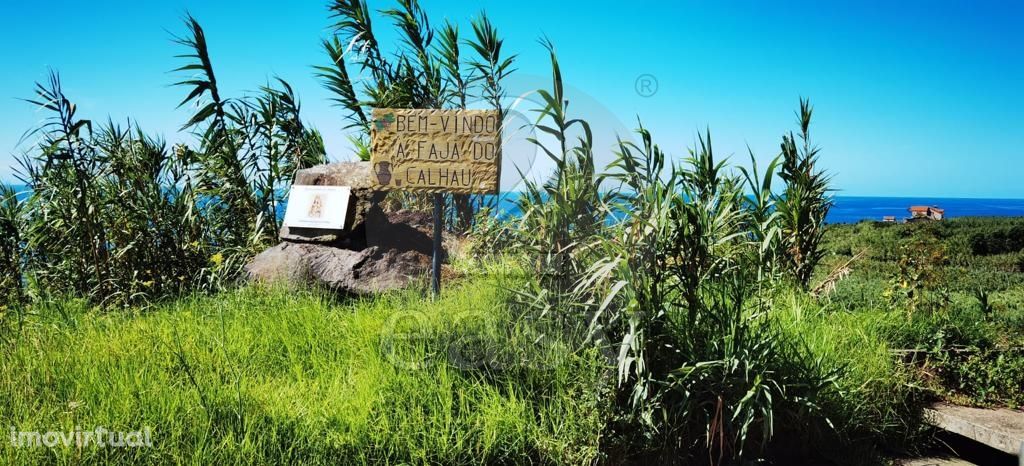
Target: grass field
(278, 376)
(948, 293)
(266, 375)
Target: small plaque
(423, 150)
(323, 207)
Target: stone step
(1002, 429)
(934, 462)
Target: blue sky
(913, 98)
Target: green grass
(269, 375)
(879, 402)
(273, 376)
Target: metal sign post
(435, 266)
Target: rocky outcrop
(376, 252)
(371, 270)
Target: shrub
(248, 150)
(116, 216)
(999, 241)
(12, 287)
(918, 282)
(703, 374)
(985, 378)
(701, 369)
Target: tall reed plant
(116, 216)
(804, 204)
(428, 69)
(564, 212)
(248, 149)
(661, 263)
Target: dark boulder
(376, 252)
(390, 252)
(371, 270)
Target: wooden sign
(455, 151)
(323, 207)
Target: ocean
(852, 209)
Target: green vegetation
(658, 310)
(955, 308)
(805, 203)
(116, 216)
(12, 293)
(687, 294)
(271, 375)
(428, 68)
(278, 376)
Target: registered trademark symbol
(646, 85)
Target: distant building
(889, 219)
(921, 212)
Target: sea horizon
(853, 209)
(850, 208)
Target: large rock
(398, 250)
(375, 252)
(363, 203)
(371, 270)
